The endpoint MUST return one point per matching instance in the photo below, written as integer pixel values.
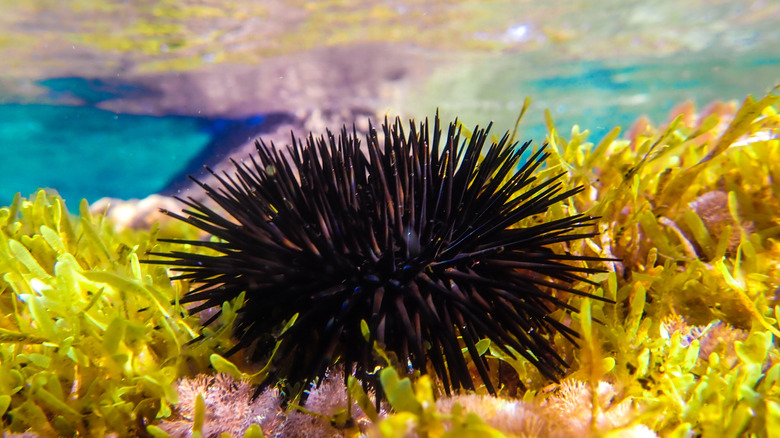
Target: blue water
(596, 95)
(84, 152)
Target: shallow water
(85, 152)
(595, 95)
(122, 100)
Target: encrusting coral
(94, 343)
(715, 337)
(325, 414)
(229, 407)
(570, 411)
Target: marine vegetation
(92, 342)
(425, 243)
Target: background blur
(122, 98)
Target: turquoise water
(595, 95)
(84, 152)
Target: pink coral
(230, 407)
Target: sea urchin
(418, 236)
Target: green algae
(90, 339)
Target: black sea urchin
(416, 236)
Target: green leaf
(681, 431)
(741, 123)
(653, 230)
(637, 308)
(41, 316)
(705, 126)
(361, 398)
(198, 417)
(482, 346)
(608, 364)
(8, 336)
(25, 258)
(156, 432)
(586, 321)
(40, 360)
(397, 424)
(700, 232)
(95, 241)
(399, 392)
(472, 427)
(222, 365)
(364, 330)
(53, 402)
(53, 239)
(526, 104)
(254, 431)
(600, 151)
(5, 402)
(772, 419)
(114, 334)
(755, 348)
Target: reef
(95, 343)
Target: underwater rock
(134, 213)
(713, 209)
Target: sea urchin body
(417, 235)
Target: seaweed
(91, 341)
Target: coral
(510, 417)
(136, 213)
(717, 337)
(570, 411)
(329, 399)
(229, 407)
(326, 403)
(566, 413)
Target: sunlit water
(86, 152)
(89, 153)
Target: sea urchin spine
(417, 235)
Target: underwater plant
(423, 243)
(90, 342)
